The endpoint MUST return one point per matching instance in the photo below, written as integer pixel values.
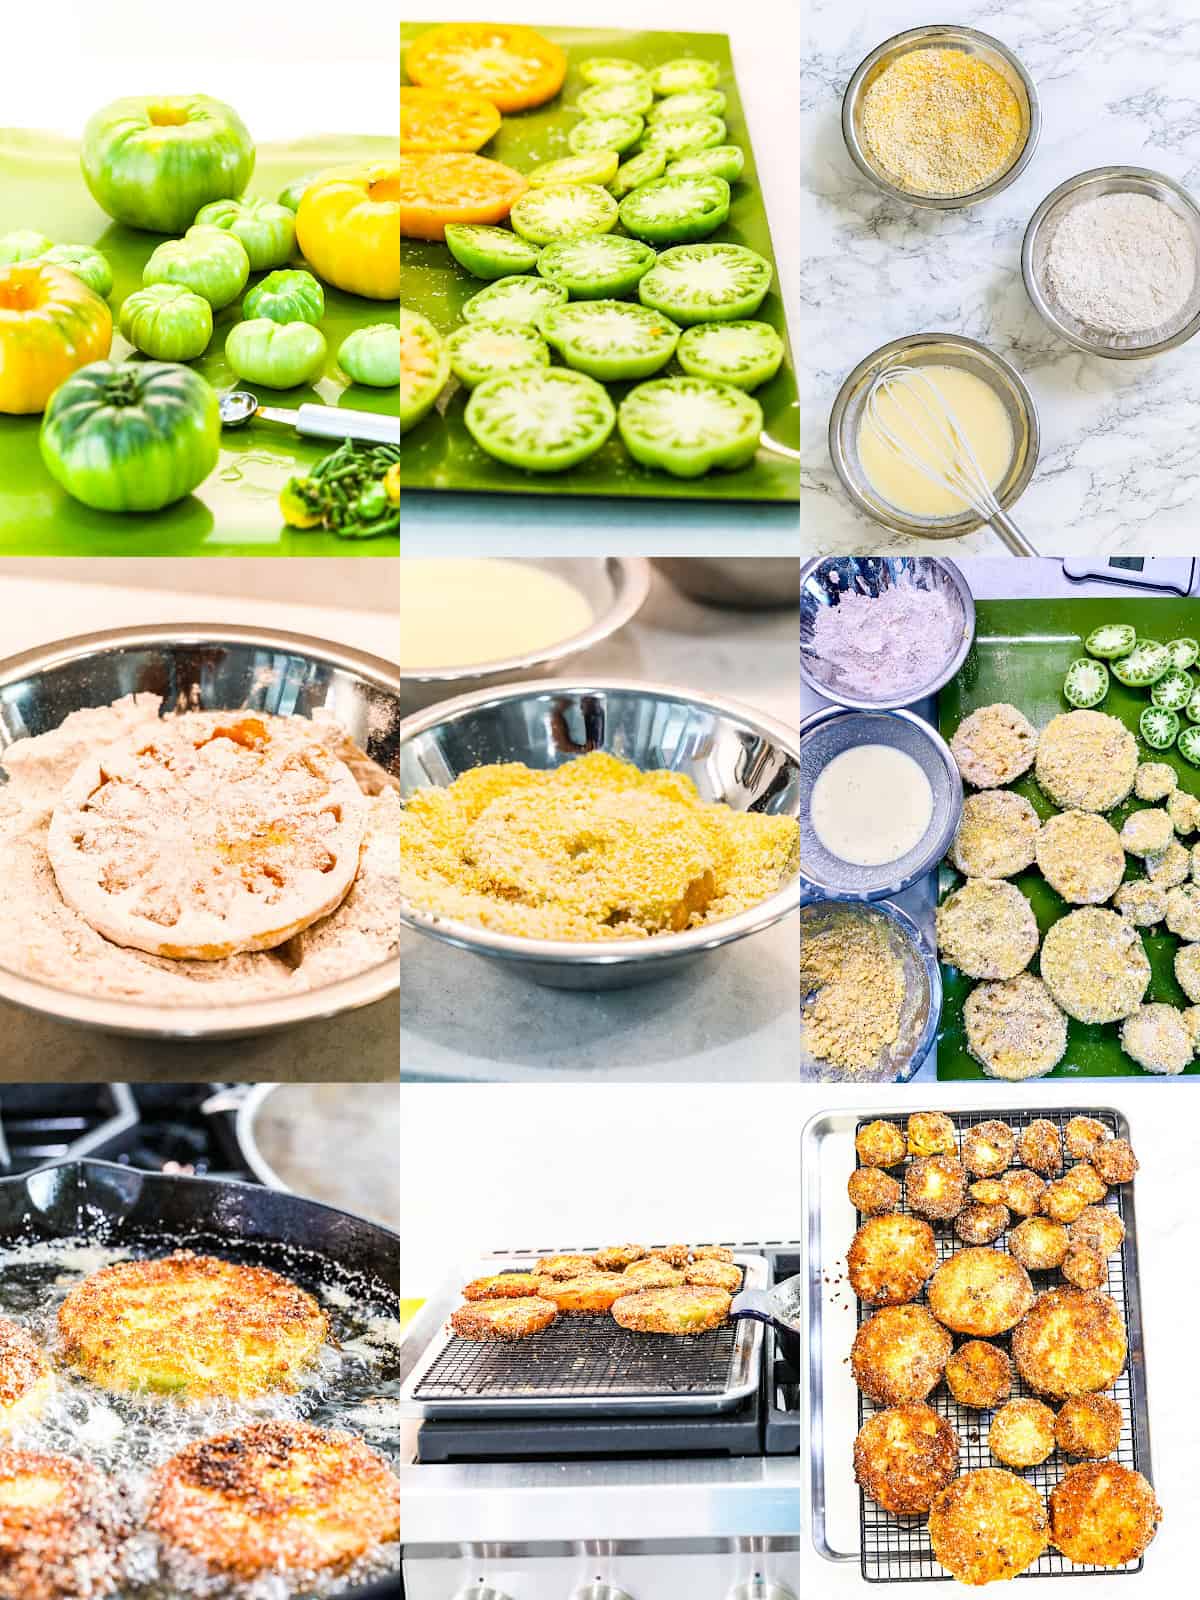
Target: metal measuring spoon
(320, 422)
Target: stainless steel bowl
(823, 582)
(970, 40)
(614, 586)
(1039, 236)
(921, 1008)
(733, 753)
(204, 666)
(749, 583)
(825, 735)
(923, 350)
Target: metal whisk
(942, 452)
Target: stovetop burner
(154, 1127)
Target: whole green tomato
(131, 436)
(286, 297)
(267, 231)
(23, 244)
(154, 161)
(277, 354)
(168, 322)
(294, 193)
(85, 263)
(372, 355)
(208, 261)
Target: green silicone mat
(1021, 653)
(235, 511)
(440, 454)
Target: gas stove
(677, 1506)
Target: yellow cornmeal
(941, 122)
(859, 982)
(593, 849)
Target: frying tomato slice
(440, 188)
(436, 119)
(511, 66)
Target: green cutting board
(235, 512)
(440, 453)
(1021, 653)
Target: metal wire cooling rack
(897, 1549)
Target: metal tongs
(779, 1306)
(320, 422)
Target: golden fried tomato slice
(1103, 1514)
(1072, 1342)
(436, 119)
(512, 66)
(988, 1525)
(903, 1456)
(60, 1528)
(439, 187)
(981, 1292)
(890, 1258)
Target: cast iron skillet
(114, 1205)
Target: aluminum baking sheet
(582, 1366)
(846, 1524)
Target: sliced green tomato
(675, 210)
(722, 161)
(489, 252)
(1173, 690)
(693, 103)
(564, 211)
(543, 421)
(1193, 707)
(597, 166)
(687, 426)
(1183, 653)
(1111, 641)
(642, 168)
(424, 366)
(514, 300)
(604, 267)
(484, 350)
(619, 133)
(745, 354)
(631, 99)
(707, 283)
(684, 75)
(610, 339)
(612, 69)
(681, 136)
(1159, 727)
(1189, 744)
(1086, 683)
(1145, 664)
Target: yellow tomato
(348, 227)
(51, 324)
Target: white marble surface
(1120, 469)
(732, 1017)
(1168, 1233)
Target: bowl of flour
(1111, 261)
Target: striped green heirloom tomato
(154, 161)
(286, 297)
(277, 354)
(23, 244)
(85, 263)
(167, 321)
(372, 355)
(131, 436)
(208, 261)
(267, 231)
(292, 195)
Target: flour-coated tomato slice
(511, 66)
(441, 119)
(439, 188)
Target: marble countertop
(732, 1016)
(1119, 470)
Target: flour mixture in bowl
(209, 857)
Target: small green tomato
(294, 193)
(208, 261)
(85, 263)
(279, 355)
(372, 355)
(167, 322)
(286, 297)
(22, 245)
(267, 231)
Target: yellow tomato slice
(511, 66)
(441, 188)
(437, 119)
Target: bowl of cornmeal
(596, 835)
